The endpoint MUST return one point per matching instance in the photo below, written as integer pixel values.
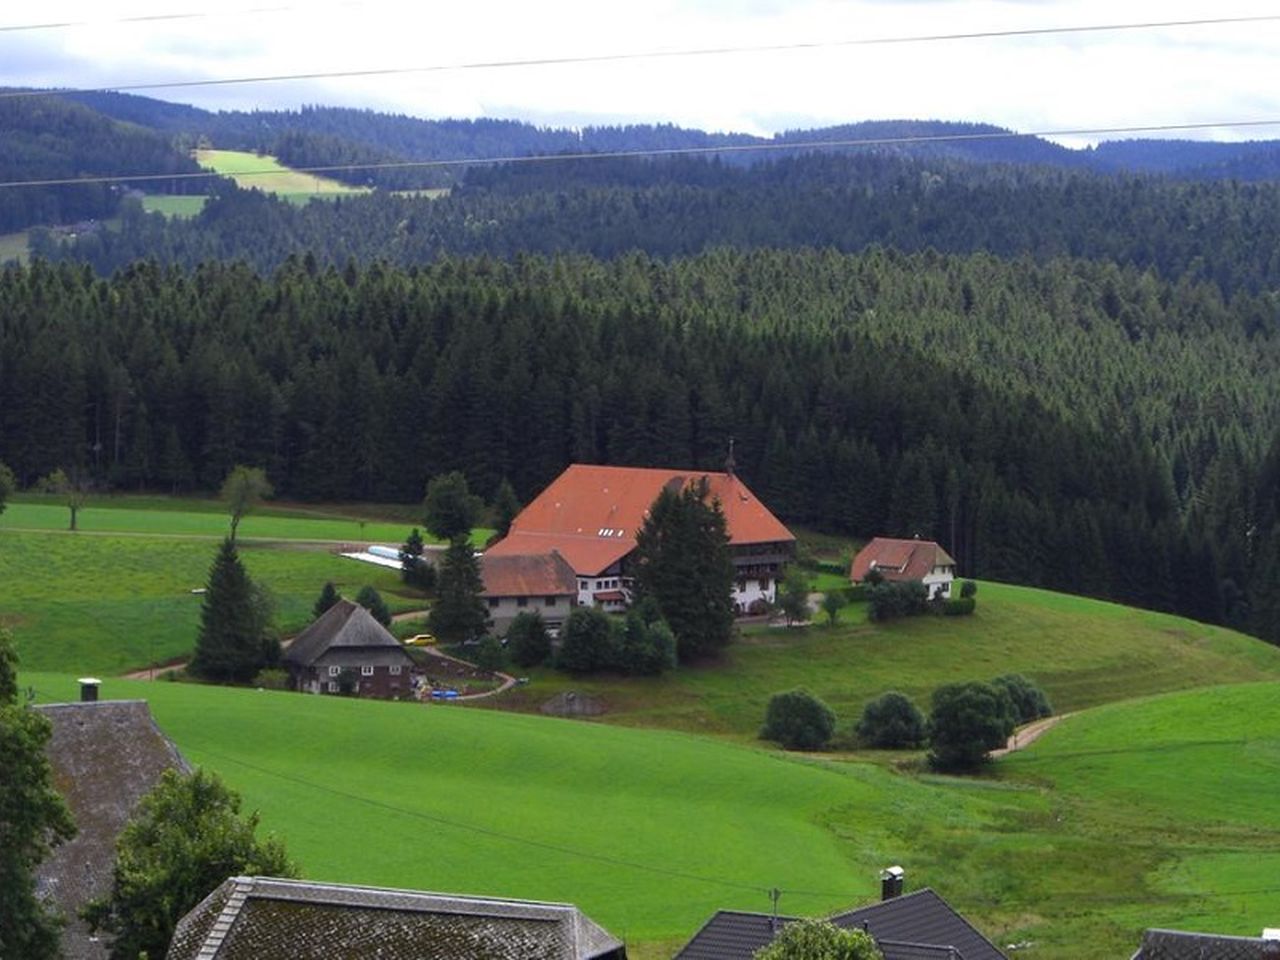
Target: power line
(650, 55)
(665, 152)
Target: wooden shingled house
(345, 650)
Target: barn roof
(528, 575)
(346, 627)
(105, 757)
(899, 559)
(251, 917)
(1182, 945)
(591, 513)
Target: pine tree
(230, 646)
(371, 600)
(459, 613)
(505, 508)
(328, 597)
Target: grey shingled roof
(1181, 945)
(916, 926)
(248, 918)
(345, 624)
(105, 756)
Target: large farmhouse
(343, 642)
(590, 516)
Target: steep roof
(915, 926)
(1181, 945)
(346, 626)
(105, 756)
(528, 575)
(591, 513)
(899, 559)
(247, 918)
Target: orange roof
(590, 514)
(540, 575)
(899, 559)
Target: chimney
(89, 689)
(891, 880)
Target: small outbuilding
(345, 650)
(903, 560)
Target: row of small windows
(495, 602)
(365, 671)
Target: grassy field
(1158, 812)
(269, 175)
(1083, 652)
(13, 246)
(174, 206)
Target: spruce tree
(371, 600)
(328, 597)
(505, 508)
(683, 564)
(229, 646)
(459, 613)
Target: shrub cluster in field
(892, 600)
(966, 720)
(591, 641)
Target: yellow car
(420, 640)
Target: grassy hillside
(174, 206)
(1156, 812)
(251, 171)
(13, 246)
(1084, 652)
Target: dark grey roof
(105, 756)
(250, 918)
(921, 917)
(345, 624)
(1181, 945)
(916, 926)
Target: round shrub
(489, 654)
(892, 722)
(528, 640)
(967, 721)
(968, 589)
(1029, 701)
(797, 720)
(587, 642)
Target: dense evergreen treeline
(1225, 233)
(1073, 425)
(48, 138)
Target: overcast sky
(1194, 74)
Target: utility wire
(652, 55)
(666, 152)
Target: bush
(857, 593)
(968, 590)
(489, 654)
(798, 720)
(528, 640)
(958, 608)
(889, 601)
(892, 722)
(967, 721)
(272, 680)
(587, 642)
(645, 649)
(1029, 701)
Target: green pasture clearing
(1073, 845)
(13, 246)
(266, 173)
(174, 206)
(111, 603)
(1083, 652)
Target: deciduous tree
(967, 721)
(450, 509)
(186, 838)
(798, 721)
(242, 491)
(73, 489)
(528, 640)
(819, 940)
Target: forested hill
(1224, 233)
(1005, 408)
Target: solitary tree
(459, 613)
(234, 642)
(328, 597)
(73, 490)
(33, 819)
(587, 642)
(450, 509)
(8, 484)
(242, 491)
(793, 596)
(798, 721)
(967, 721)
(682, 562)
(819, 940)
(371, 600)
(186, 838)
(528, 639)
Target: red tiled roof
(899, 559)
(591, 513)
(527, 575)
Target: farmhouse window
(395, 671)
(366, 671)
(333, 687)
(334, 671)
(522, 601)
(550, 601)
(494, 601)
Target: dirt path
(508, 681)
(1023, 737)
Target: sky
(1204, 74)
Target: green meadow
(251, 171)
(13, 246)
(1074, 845)
(174, 206)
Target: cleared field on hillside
(174, 206)
(13, 246)
(1083, 652)
(268, 174)
(1074, 845)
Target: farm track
(1023, 737)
